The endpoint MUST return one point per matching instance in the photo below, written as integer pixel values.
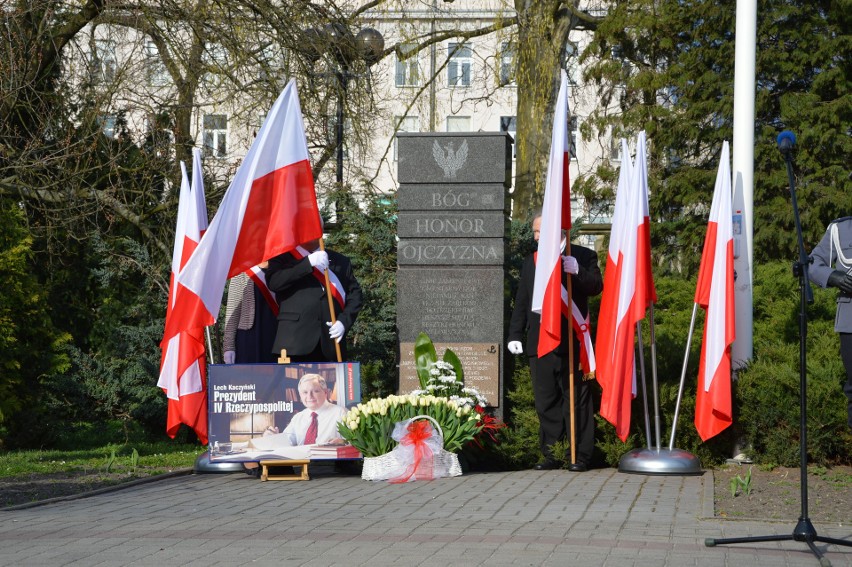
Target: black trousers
(846, 355)
(553, 406)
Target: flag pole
(654, 383)
(330, 301)
(209, 346)
(641, 350)
(683, 375)
(571, 363)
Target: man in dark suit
(305, 329)
(550, 372)
(832, 267)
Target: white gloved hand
(229, 356)
(515, 347)
(336, 331)
(319, 259)
(570, 265)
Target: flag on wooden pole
(269, 208)
(555, 217)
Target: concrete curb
(708, 506)
(104, 490)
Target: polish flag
(182, 370)
(607, 314)
(715, 293)
(626, 295)
(556, 217)
(269, 208)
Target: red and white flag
(182, 371)
(715, 293)
(555, 217)
(269, 208)
(626, 296)
(608, 312)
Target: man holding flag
(554, 311)
(550, 370)
(269, 208)
(306, 330)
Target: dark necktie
(311, 435)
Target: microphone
(786, 140)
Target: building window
(159, 138)
(407, 66)
(103, 63)
(459, 68)
(458, 123)
(107, 125)
(509, 124)
(572, 137)
(626, 68)
(155, 71)
(270, 63)
(570, 62)
(215, 58)
(404, 124)
(215, 135)
(507, 64)
(614, 147)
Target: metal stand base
(804, 532)
(204, 465)
(660, 461)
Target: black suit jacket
(303, 305)
(585, 283)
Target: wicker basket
(385, 467)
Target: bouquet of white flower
(442, 396)
(368, 426)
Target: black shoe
(546, 465)
(578, 467)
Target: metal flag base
(204, 465)
(659, 461)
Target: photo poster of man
(280, 411)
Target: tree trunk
(542, 34)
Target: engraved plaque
(450, 252)
(455, 197)
(480, 361)
(452, 225)
(474, 224)
(450, 304)
(464, 157)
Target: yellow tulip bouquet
(442, 396)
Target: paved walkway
(598, 518)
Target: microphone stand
(804, 530)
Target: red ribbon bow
(421, 467)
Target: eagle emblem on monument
(448, 158)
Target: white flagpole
(743, 176)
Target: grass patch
(154, 458)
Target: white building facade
(453, 85)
